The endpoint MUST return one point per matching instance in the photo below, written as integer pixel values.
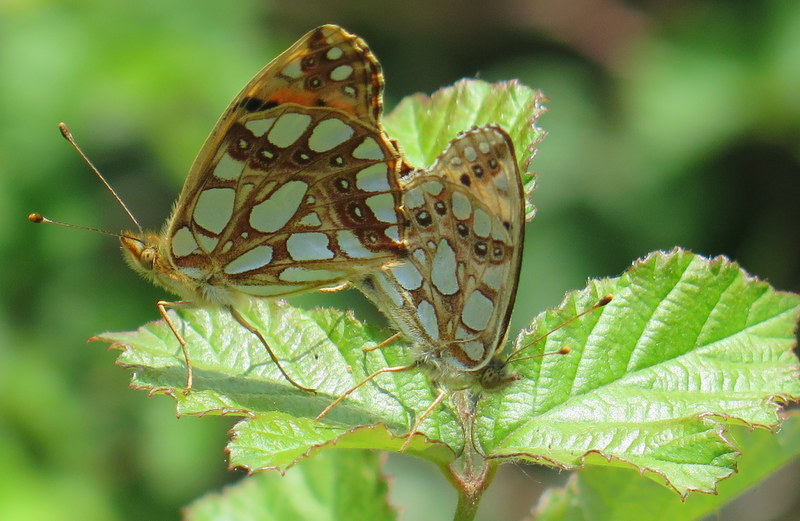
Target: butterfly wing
(453, 295)
(296, 187)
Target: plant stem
(471, 473)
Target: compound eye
(148, 258)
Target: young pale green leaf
(686, 344)
(425, 125)
(602, 494)
(333, 486)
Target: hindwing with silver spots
(453, 295)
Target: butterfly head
(141, 253)
(495, 374)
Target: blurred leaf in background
(670, 124)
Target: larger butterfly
(452, 296)
(295, 189)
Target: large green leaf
(686, 345)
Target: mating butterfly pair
(299, 188)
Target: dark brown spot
(337, 161)
(481, 249)
(440, 208)
(342, 184)
(462, 229)
(256, 105)
(356, 212)
(498, 250)
(302, 156)
(314, 83)
(506, 225)
(424, 218)
(308, 63)
(493, 164)
(465, 180)
(477, 170)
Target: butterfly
(295, 189)
(453, 294)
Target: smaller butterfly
(294, 190)
(453, 295)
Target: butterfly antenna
(600, 303)
(39, 218)
(68, 136)
(563, 351)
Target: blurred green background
(671, 123)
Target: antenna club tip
(605, 300)
(564, 350)
(35, 217)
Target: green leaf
(425, 125)
(597, 494)
(686, 345)
(320, 348)
(333, 486)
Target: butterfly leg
(248, 326)
(382, 344)
(337, 401)
(434, 404)
(162, 306)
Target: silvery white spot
(474, 349)
(427, 317)
(293, 69)
(207, 244)
(259, 126)
(470, 154)
(311, 219)
(329, 134)
(382, 205)
(183, 242)
(374, 178)
(351, 246)
(273, 213)
(413, 198)
(477, 311)
(368, 149)
(393, 232)
(214, 208)
(334, 53)
(407, 275)
(288, 128)
(433, 187)
(443, 270)
(462, 208)
(482, 223)
(257, 257)
(341, 73)
(228, 168)
(308, 246)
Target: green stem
(470, 488)
(471, 473)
